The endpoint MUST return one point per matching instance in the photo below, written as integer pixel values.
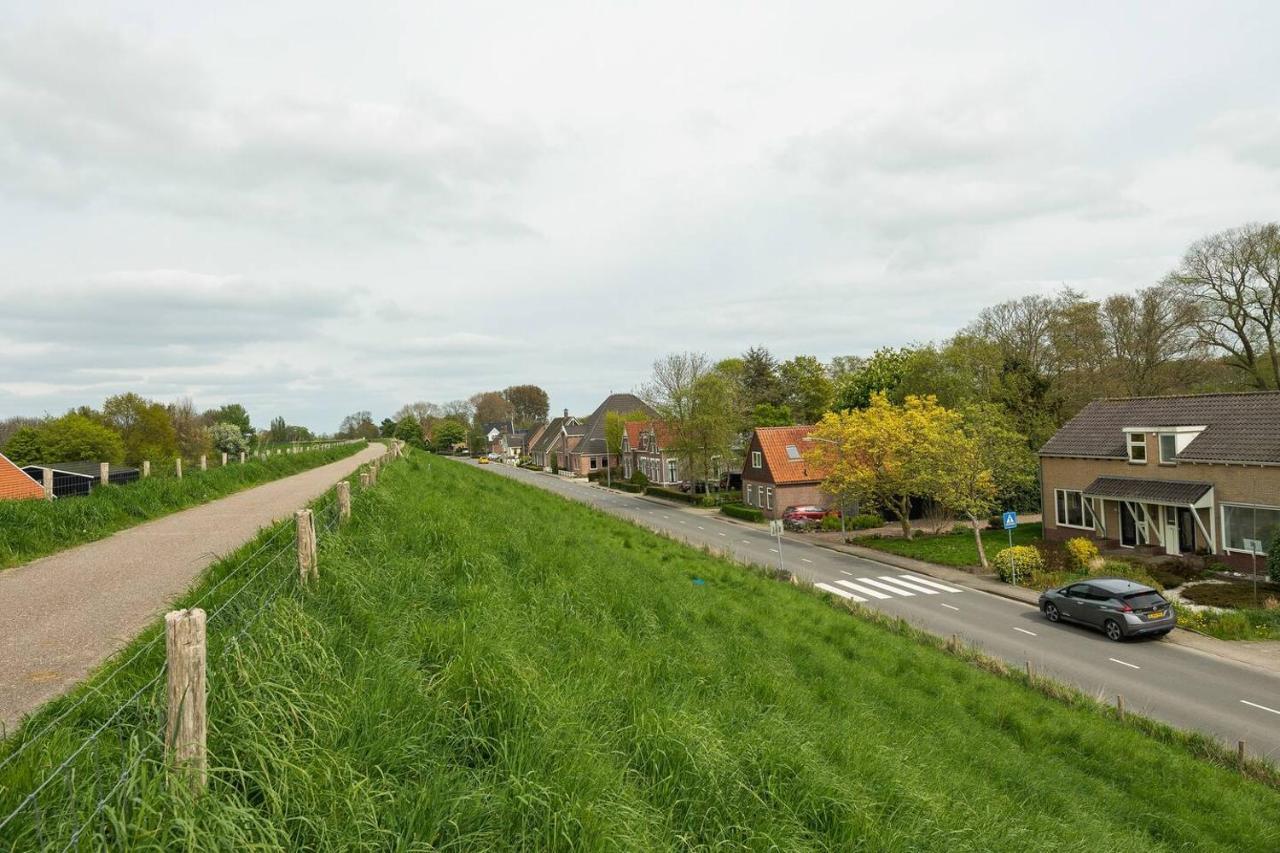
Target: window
(1250, 529)
(671, 470)
(1138, 447)
(755, 459)
(769, 497)
(749, 494)
(793, 453)
(1168, 448)
(593, 463)
(1070, 508)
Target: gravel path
(63, 615)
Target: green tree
(26, 447)
(882, 373)
(279, 430)
(232, 413)
(228, 439)
(769, 415)
(448, 432)
(75, 438)
(806, 388)
(706, 439)
(760, 383)
(387, 427)
(529, 404)
(409, 430)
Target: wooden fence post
(185, 731)
(224, 460)
(146, 467)
(1031, 671)
(364, 479)
(46, 480)
(204, 462)
(307, 568)
(1120, 706)
(177, 467)
(1240, 755)
(344, 501)
(242, 457)
(104, 473)
(373, 473)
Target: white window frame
(769, 497)
(1160, 446)
(672, 464)
(1226, 533)
(756, 460)
(750, 494)
(1135, 440)
(1083, 513)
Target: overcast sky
(314, 209)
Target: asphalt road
(1185, 687)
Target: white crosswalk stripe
(909, 585)
(834, 590)
(874, 593)
(896, 590)
(927, 582)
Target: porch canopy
(1168, 492)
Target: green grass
(486, 666)
(30, 529)
(1242, 620)
(952, 549)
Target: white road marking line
(774, 550)
(805, 560)
(700, 527)
(1256, 705)
(837, 591)
(843, 572)
(746, 541)
(896, 590)
(1122, 663)
(1025, 631)
(683, 522)
(666, 516)
(948, 606)
(909, 585)
(927, 582)
(865, 590)
(722, 534)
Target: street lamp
(840, 456)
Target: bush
(995, 522)
(628, 487)
(740, 511)
(1123, 569)
(830, 522)
(672, 495)
(1081, 552)
(865, 521)
(1273, 560)
(1020, 561)
(638, 478)
(1237, 594)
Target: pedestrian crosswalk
(864, 589)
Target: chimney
(566, 413)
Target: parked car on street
(1118, 607)
(804, 513)
(483, 460)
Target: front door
(1172, 541)
(1128, 527)
(1186, 531)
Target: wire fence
(65, 778)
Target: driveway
(63, 615)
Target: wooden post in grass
(1031, 671)
(146, 467)
(1119, 706)
(104, 473)
(224, 460)
(373, 474)
(185, 731)
(46, 480)
(307, 568)
(242, 457)
(1240, 753)
(344, 501)
(364, 480)
(177, 467)
(204, 462)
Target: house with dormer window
(775, 473)
(1181, 475)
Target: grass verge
(951, 549)
(566, 680)
(31, 529)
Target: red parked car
(804, 513)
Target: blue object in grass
(698, 582)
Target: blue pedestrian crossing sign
(1010, 520)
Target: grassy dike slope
(487, 666)
(31, 529)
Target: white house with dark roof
(1196, 474)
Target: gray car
(1118, 607)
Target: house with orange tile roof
(15, 484)
(776, 474)
(647, 448)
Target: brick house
(646, 447)
(1195, 474)
(590, 453)
(16, 484)
(775, 474)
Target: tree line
(130, 428)
(445, 425)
